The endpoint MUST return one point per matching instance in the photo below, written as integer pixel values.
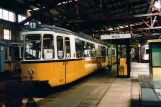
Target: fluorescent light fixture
(36, 9)
(59, 4)
(29, 10)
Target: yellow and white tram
(58, 56)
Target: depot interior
(123, 24)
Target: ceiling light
(36, 9)
(29, 10)
(59, 4)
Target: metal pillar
(2, 59)
(127, 66)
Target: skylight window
(21, 18)
(7, 15)
(157, 4)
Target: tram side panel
(104, 57)
(44, 71)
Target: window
(89, 49)
(60, 47)
(7, 15)
(32, 46)
(103, 51)
(99, 51)
(11, 17)
(7, 34)
(78, 46)
(67, 44)
(113, 52)
(21, 18)
(103, 54)
(48, 46)
(147, 51)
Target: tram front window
(32, 46)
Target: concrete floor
(101, 89)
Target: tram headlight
(30, 71)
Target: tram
(58, 56)
(13, 57)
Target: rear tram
(57, 56)
(13, 57)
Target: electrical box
(122, 67)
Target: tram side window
(107, 52)
(93, 50)
(78, 46)
(48, 46)
(60, 47)
(89, 49)
(113, 52)
(6, 53)
(103, 51)
(67, 44)
(99, 51)
(147, 51)
(32, 46)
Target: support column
(2, 59)
(128, 58)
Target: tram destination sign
(116, 36)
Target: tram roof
(61, 30)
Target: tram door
(68, 63)
(123, 57)
(60, 66)
(64, 54)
